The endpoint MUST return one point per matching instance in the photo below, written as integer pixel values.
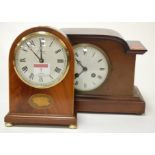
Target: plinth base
(111, 104)
(16, 118)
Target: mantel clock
(104, 71)
(41, 76)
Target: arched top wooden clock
(41, 75)
(104, 71)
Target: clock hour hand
(78, 74)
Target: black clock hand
(41, 53)
(33, 52)
(79, 62)
(78, 74)
(84, 69)
(35, 55)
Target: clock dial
(91, 67)
(41, 60)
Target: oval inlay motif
(40, 101)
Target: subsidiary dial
(91, 67)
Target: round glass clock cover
(91, 67)
(41, 60)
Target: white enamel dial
(91, 67)
(41, 60)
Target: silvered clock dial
(41, 60)
(91, 67)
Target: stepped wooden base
(15, 119)
(109, 104)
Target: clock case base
(16, 118)
(111, 104)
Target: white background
(73, 13)
(144, 79)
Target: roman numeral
(99, 77)
(60, 61)
(42, 41)
(93, 54)
(24, 69)
(31, 76)
(100, 60)
(57, 51)
(51, 76)
(76, 54)
(28, 45)
(40, 79)
(101, 69)
(85, 85)
(31, 42)
(58, 70)
(84, 51)
(24, 49)
(23, 60)
(51, 43)
(76, 83)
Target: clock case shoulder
(131, 47)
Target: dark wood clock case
(60, 112)
(118, 93)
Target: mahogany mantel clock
(41, 79)
(104, 71)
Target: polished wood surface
(111, 104)
(62, 109)
(136, 47)
(117, 93)
(20, 118)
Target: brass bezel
(104, 54)
(42, 32)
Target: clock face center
(85, 69)
(41, 60)
(91, 67)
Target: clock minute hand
(79, 62)
(83, 68)
(33, 52)
(41, 60)
(35, 55)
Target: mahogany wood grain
(117, 93)
(61, 112)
